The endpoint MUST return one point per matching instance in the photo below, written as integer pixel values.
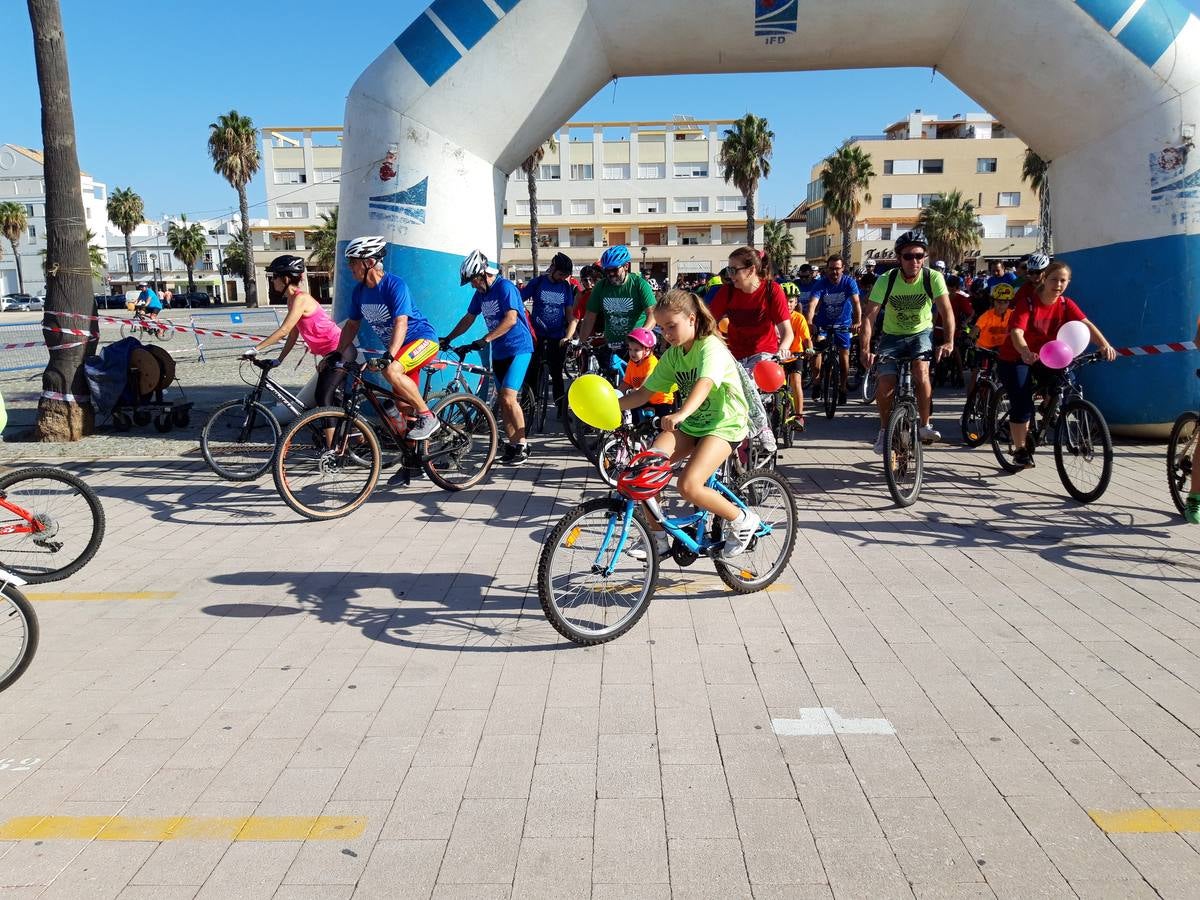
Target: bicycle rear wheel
(770, 497)
(976, 419)
(1083, 451)
(327, 480)
(69, 518)
(542, 396)
(240, 439)
(592, 587)
(461, 452)
(903, 455)
(1180, 453)
(18, 634)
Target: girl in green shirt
(714, 417)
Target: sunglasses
(910, 257)
(733, 269)
(609, 273)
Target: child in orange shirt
(992, 325)
(642, 362)
(802, 348)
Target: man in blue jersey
(410, 342)
(510, 340)
(834, 306)
(999, 274)
(553, 298)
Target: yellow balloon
(594, 400)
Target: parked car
(198, 298)
(35, 304)
(15, 303)
(110, 301)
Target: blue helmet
(615, 256)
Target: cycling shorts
(510, 372)
(415, 355)
(841, 339)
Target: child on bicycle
(991, 328)
(714, 418)
(802, 348)
(642, 362)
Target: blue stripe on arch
(1153, 29)
(427, 49)
(1107, 12)
(468, 20)
(507, 5)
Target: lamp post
(154, 269)
(645, 250)
(216, 236)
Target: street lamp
(154, 268)
(645, 250)
(216, 236)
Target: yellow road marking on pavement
(1147, 821)
(134, 828)
(50, 596)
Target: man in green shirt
(625, 298)
(908, 295)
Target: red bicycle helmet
(645, 476)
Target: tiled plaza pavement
(392, 672)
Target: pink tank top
(319, 332)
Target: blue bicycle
(598, 569)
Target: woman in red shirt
(760, 323)
(1034, 323)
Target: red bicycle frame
(31, 526)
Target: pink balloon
(1056, 354)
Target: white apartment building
(22, 180)
(301, 167)
(154, 262)
(654, 186)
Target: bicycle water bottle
(397, 418)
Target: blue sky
(148, 77)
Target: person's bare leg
(923, 389)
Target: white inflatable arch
(1106, 89)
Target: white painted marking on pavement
(819, 720)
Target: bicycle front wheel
(18, 634)
(769, 496)
(240, 439)
(585, 438)
(328, 463)
(461, 452)
(1001, 434)
(1181, 451)
(870, 384)
(903, 455)
(975, 420)
(60, 519)
(597, 571)
(165, 331)
(1083, 451)
(830, 380)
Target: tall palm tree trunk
(750, 214)
(65, 410)
(191, 278)
(533, 219)
(248, 278)
(129, 254)
(846, 225)
(17, 260)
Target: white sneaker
(929, 434)
(662, 546)
(426, 426)
(741, 531)
(879, 443)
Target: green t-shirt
(909, 310)
(624, 306)
(724, 413)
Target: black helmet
(911, 239)
(562, 263)
(286, 265)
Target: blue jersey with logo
(1006, 278)
(552, 304)
(381, 305)
(494, 305)
(835, 305)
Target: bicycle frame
(32, 526)
(266, 384)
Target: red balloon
(768, 375)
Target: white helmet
(940, 264)
(1038, 262)
(475, 264)
(869, 263)
(372, 246)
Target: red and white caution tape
(1156, 349)
(41, 344)
(67, 398)
(148, 326)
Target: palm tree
(13, 223)
(1036, 171)
(187, 242)
(530, 167)
(323, 243)
(745, 159)
(127, 211)
(847, 178)
(951, 226)
(65, 410)
(779, 244)
(233, 146)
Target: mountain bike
(976, 419)
(241, 437)
(903, 453)
(51, 523)
(870, 383)
(468, 378)
(141, 325)
(18, 630)
(1181, 450)
(829, 383)
(598, 568)
(582, 436)
(1083, 448)
(330, 459)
